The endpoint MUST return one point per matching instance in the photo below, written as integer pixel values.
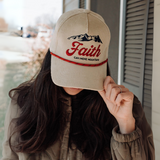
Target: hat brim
(66, 74)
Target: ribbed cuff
(126, 137)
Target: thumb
(102, 93)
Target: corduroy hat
(79, 50)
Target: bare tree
(47, 19)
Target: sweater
(137, 145)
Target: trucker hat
(79, 50)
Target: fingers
(127, 96)
(109, 84)
(112, 90)
(118, 99)
(108, 80)
(115, 91)
(102, 93)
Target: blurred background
(25, 30)
(26, 27)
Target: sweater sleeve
(12, 112)
(137, 145)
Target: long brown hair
(42, 117)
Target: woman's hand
(119, 104)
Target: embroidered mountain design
(86, 37)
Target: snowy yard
(13, 51)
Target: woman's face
(72, 91)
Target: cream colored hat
(79, 50)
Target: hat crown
(79, 25)
(64, 17)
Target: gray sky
(24, 12)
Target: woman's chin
(72, 91)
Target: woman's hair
(42, 117)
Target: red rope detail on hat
(81, 64)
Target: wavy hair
(42, 117)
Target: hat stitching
(102, 22)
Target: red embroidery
(82, 64)
(91, 52)
(74, 49)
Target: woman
(71, 110)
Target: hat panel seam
(87, 23)
(102, 22)
(97, 16)
(68, 19)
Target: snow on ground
(13, 57)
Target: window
(82, 4)
(137, 51)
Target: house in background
(133, 57)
